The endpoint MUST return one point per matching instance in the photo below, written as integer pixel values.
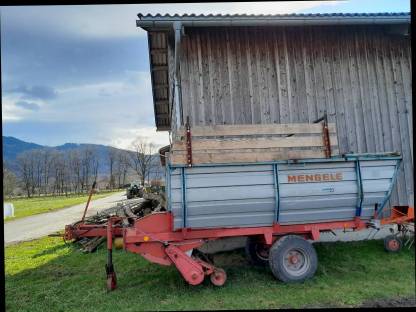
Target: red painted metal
(219, 277)
(153, 237)
(190, 269)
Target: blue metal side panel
(320, 201)
(225, 197)
(248, 195)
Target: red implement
(153, 238)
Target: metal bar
(386, 198)
(188, 142)
(300, 161)
(276, 188)
(360, 189)
(183, 197)
(169, 190)
(325, 131)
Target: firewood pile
(128, 210)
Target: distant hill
(12, 147)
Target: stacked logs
(128, 210)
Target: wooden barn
(283, 69)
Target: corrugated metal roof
(176, 16)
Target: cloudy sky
(80, 74)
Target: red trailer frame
(153, 238)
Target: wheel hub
(293, 259)
(296, 262)
(393, 244)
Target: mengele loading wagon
(280, 201)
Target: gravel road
(36, 226)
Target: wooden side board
(256, 143)
(271, 129)
(253, 143)
(238, 157)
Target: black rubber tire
(252, 254)
(388, 244)
(279, 251)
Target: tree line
(50, 171)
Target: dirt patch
(385, 303)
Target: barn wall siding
(361, 77)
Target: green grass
(47, 275)
(24, 207)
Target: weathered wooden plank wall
(360, 76)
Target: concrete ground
(36, 226)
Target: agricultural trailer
(281, 206)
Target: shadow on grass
(55, 249)
(347, 275)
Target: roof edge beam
(262, 21)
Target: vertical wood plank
(249, 46)
(405, 66)
(369, 56)
(402, 118)
(317, 72)
(206, 98)
(309, 81)
(272, 77)
(327, 75)
(356, 96)
(244, 77)
(347, 95)
(216, 78)
(283, 84)
(230, 75)
(394, 122)
(365, 106)
(256, 111)
(212, 75)
(336, 69)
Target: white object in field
(8, 210)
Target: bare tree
(122, 165)
(74, 164)
(141, 159)
(9, 181)
(46, 163)
(26, 166)
(112, 156)
(60, 173)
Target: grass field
(24, 207)
(47, 275)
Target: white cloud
(123, 138)
(13, 112)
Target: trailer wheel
(256, 252)
(293, 259)
(392, 243)
(218, 277)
